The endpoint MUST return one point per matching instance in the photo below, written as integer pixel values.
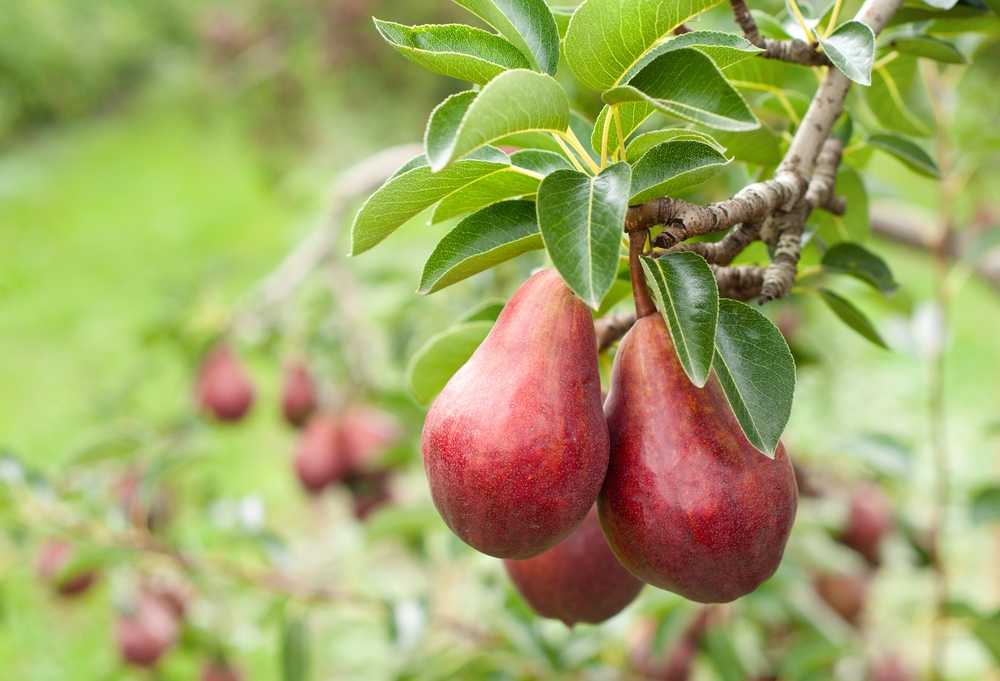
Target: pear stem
(640, 291)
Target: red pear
(844, 593)
(55, 557)
(368, 432)
(578, 580)
(869, 518)
(216, 671)
(320, 459)
(688, 504)
(515, 446)
(298, 394)
(223, 388)
(148, 632)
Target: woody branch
(774, 210)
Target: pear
(869, 518)
(55, 566)
(148, 631)
(516, 447)
(320, 459)
(223, 388)
(688, 504)
(846, 594)
(367, 433)
(579, 580)
(298, 394)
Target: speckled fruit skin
(516, 446)
(223, 389)
(688, 504)
(578, 580)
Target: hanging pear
(578, 580)
(688, 504)
(516, 446)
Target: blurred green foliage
(160, 158)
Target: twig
(723, 251)
(822, 192)
(612, 327)
(742, 282)
(792, 51)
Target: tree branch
(804, 180)
(792, 51)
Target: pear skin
(688, 504)
(578, 580)
(516, 446)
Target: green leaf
(607, 37)
(671, 166)
(408, 194)
(787, 104)
(638, 147)
(562, 15)
(581, 220)
(489, 237)
(688, 85)
(908, 152)
(757, 372)
(486, 311)
(760, 146)
(898, 99)
(851, 48)
(295, 649)
(528, 24)
(688, 299)
(454, 50)
(843, 129)
(631, 116)
(486, 190)
(583, 129)
(855, 224)
(470, 120)
(415, 162)
(857, 261)
(722, 653)
(725, 49)
(531, 140)
(436, 362)
(987, 630)
(620, 289)
(929, 47)
(758, 74)
(539, 161)
(851, 316)
(986, 505)
(768, 26)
